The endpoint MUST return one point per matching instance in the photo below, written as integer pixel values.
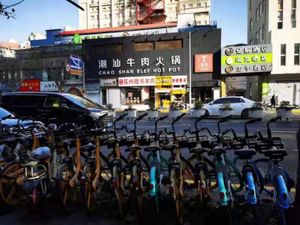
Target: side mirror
(211, 103)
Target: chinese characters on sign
(75, 65)
(48, 86)
(246, 59)
(149, 81)
(203, 63)
(142, 66)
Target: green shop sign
(246, 59)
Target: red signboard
(30, 85)
(148, 81)
(203, 63)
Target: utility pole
(190, 66)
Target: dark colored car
(63, 107)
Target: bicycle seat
(199, 150)
(216, 151)
(112, 140)
(88, 147)
(41, 153)
(152, 148)
(169, 147)
(133, 148)
(275, 154)
(245, 153)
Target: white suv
(239, 105)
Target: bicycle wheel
(66, 194)
(89, 192)
(119, 194)
(10, 189)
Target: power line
(75, 4)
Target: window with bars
(251, 24)
(280, 14)
(293, 13)
(297, 54)
(283, 54)
(260, 34)
(260, 9)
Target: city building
(51, 38)
(115, 13)
(138, 70)
(42, 64)
(278, 23)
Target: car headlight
(95, 115)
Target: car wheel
(245, 113)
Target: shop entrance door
(151, 95)
(114, 97)
(104, 99)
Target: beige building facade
(115, 13)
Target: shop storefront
(151, 70)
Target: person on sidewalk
(273, 101)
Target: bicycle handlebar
(253, 120)
(268, 125)
(274, 119)
(121, 117)
(178, 117)
(141, 117)
(230, 130)
(162, 118)
(208, 131)
(168, 132)
(224, 119)
(250, 122)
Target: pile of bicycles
(77, 164)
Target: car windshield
(4, 113)
(83, 102)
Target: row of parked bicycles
(77, 163)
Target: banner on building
(150, 81)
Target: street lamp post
(190, 66)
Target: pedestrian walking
(273, 101)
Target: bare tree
(8, 10)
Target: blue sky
(38, 15)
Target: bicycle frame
(282, 194)
(223, 182)
(155, 164)
(74, 179)
(251, 195)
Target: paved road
(107, 215)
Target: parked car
(63, 107)
(8, 119)
(239, 105)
